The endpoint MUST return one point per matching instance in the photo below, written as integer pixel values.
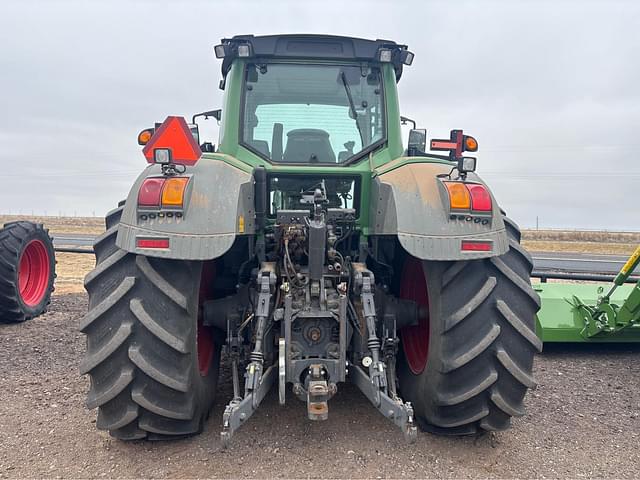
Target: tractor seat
(308, 145)
(261, 146)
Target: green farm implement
(592, 312)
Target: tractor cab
(310, 100)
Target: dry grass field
(86, 225)
(72, 268)
(581, 241)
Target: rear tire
(27, 271)
(142, 344)
(481, 340)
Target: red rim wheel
(205, 349)
(415, 339)
(33, 273)
(204, 335)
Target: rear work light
(468, 196)
(163, 192)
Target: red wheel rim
(205, 348)
(204, 335)
(33, 273)
(415, 340)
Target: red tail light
(150, 192)
(476, 246)
(152, 243)
(468, 196)
(480, 198)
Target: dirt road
(583, 421)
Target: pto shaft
(625, 272)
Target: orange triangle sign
(174, 133)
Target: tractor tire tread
(99, 354)
(483, 385)
(140, 329)
(469, 307)
(525, 331)
(116, 419)
(481, 345)
(154, 327)
(99, 395)
(159, 282)
(516, 280)
(481, 348)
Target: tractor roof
(308, 46)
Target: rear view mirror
(217, 114)
(417, 142)
(195, 131)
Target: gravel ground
(582, 421)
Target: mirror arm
(217, 114)
(404, 121)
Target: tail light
(150, 192)
(468, 196)
(163, 192)
(480, 198)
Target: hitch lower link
(257, 381)
(379, 385)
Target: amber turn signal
(459, 196)
(470, 144)
(173, 191)
(145, 135)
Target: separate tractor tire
(27, 271)
(153, 366)
(468, 364)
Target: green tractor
(312, 249)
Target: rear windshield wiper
(351, 105)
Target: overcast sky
(551, 90)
